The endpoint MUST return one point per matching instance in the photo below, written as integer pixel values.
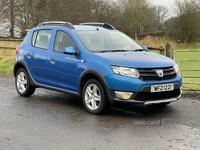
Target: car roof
(87, 27)
(80, 27)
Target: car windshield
(107, 41)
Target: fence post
(170, 50)
(162, 50)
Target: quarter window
(34, 38)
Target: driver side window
(62, 41)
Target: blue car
(96, 62)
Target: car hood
(138, 59)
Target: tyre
(22, 83)
(93, 96)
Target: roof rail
(66, 24)
(104, 25)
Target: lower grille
(145, 96)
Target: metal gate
(189, 64)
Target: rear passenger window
(41, 38)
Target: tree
(162, 14)
(102, 10)
(8, 14)
(135, 15)
(130, 16)
(188, 13)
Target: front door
(64, 68)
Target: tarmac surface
(51, 120)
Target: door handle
(52, 60)
(28, 55)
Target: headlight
(176, 68)
(130, 72)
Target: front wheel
(22, 83)
(93, 96)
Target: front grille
(145, 96)
(150, 74)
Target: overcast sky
(167, 3)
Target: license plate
(162, 87)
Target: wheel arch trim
(21, 63)
(102, 82)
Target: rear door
(37, 55)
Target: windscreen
(105, 41)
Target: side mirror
(145, 48)
(69, 50)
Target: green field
(189, 63)
(7, 58)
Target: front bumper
(145, 97)
(140, 91)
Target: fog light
(123, 95)
(126, 96)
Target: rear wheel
(93, 96)
(22, 83)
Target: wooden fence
(167, 51)
(13, 48)
(9, 40)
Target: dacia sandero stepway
(96, 62)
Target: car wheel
(22, 83)
(93, 97)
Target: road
(55, 121)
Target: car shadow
(120, 109)
(138, 110)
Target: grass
(184, 59)
(156, 42)
(189, 64)
(7, 57)
(182, 46)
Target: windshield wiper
(138, 50)
(113, 51)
